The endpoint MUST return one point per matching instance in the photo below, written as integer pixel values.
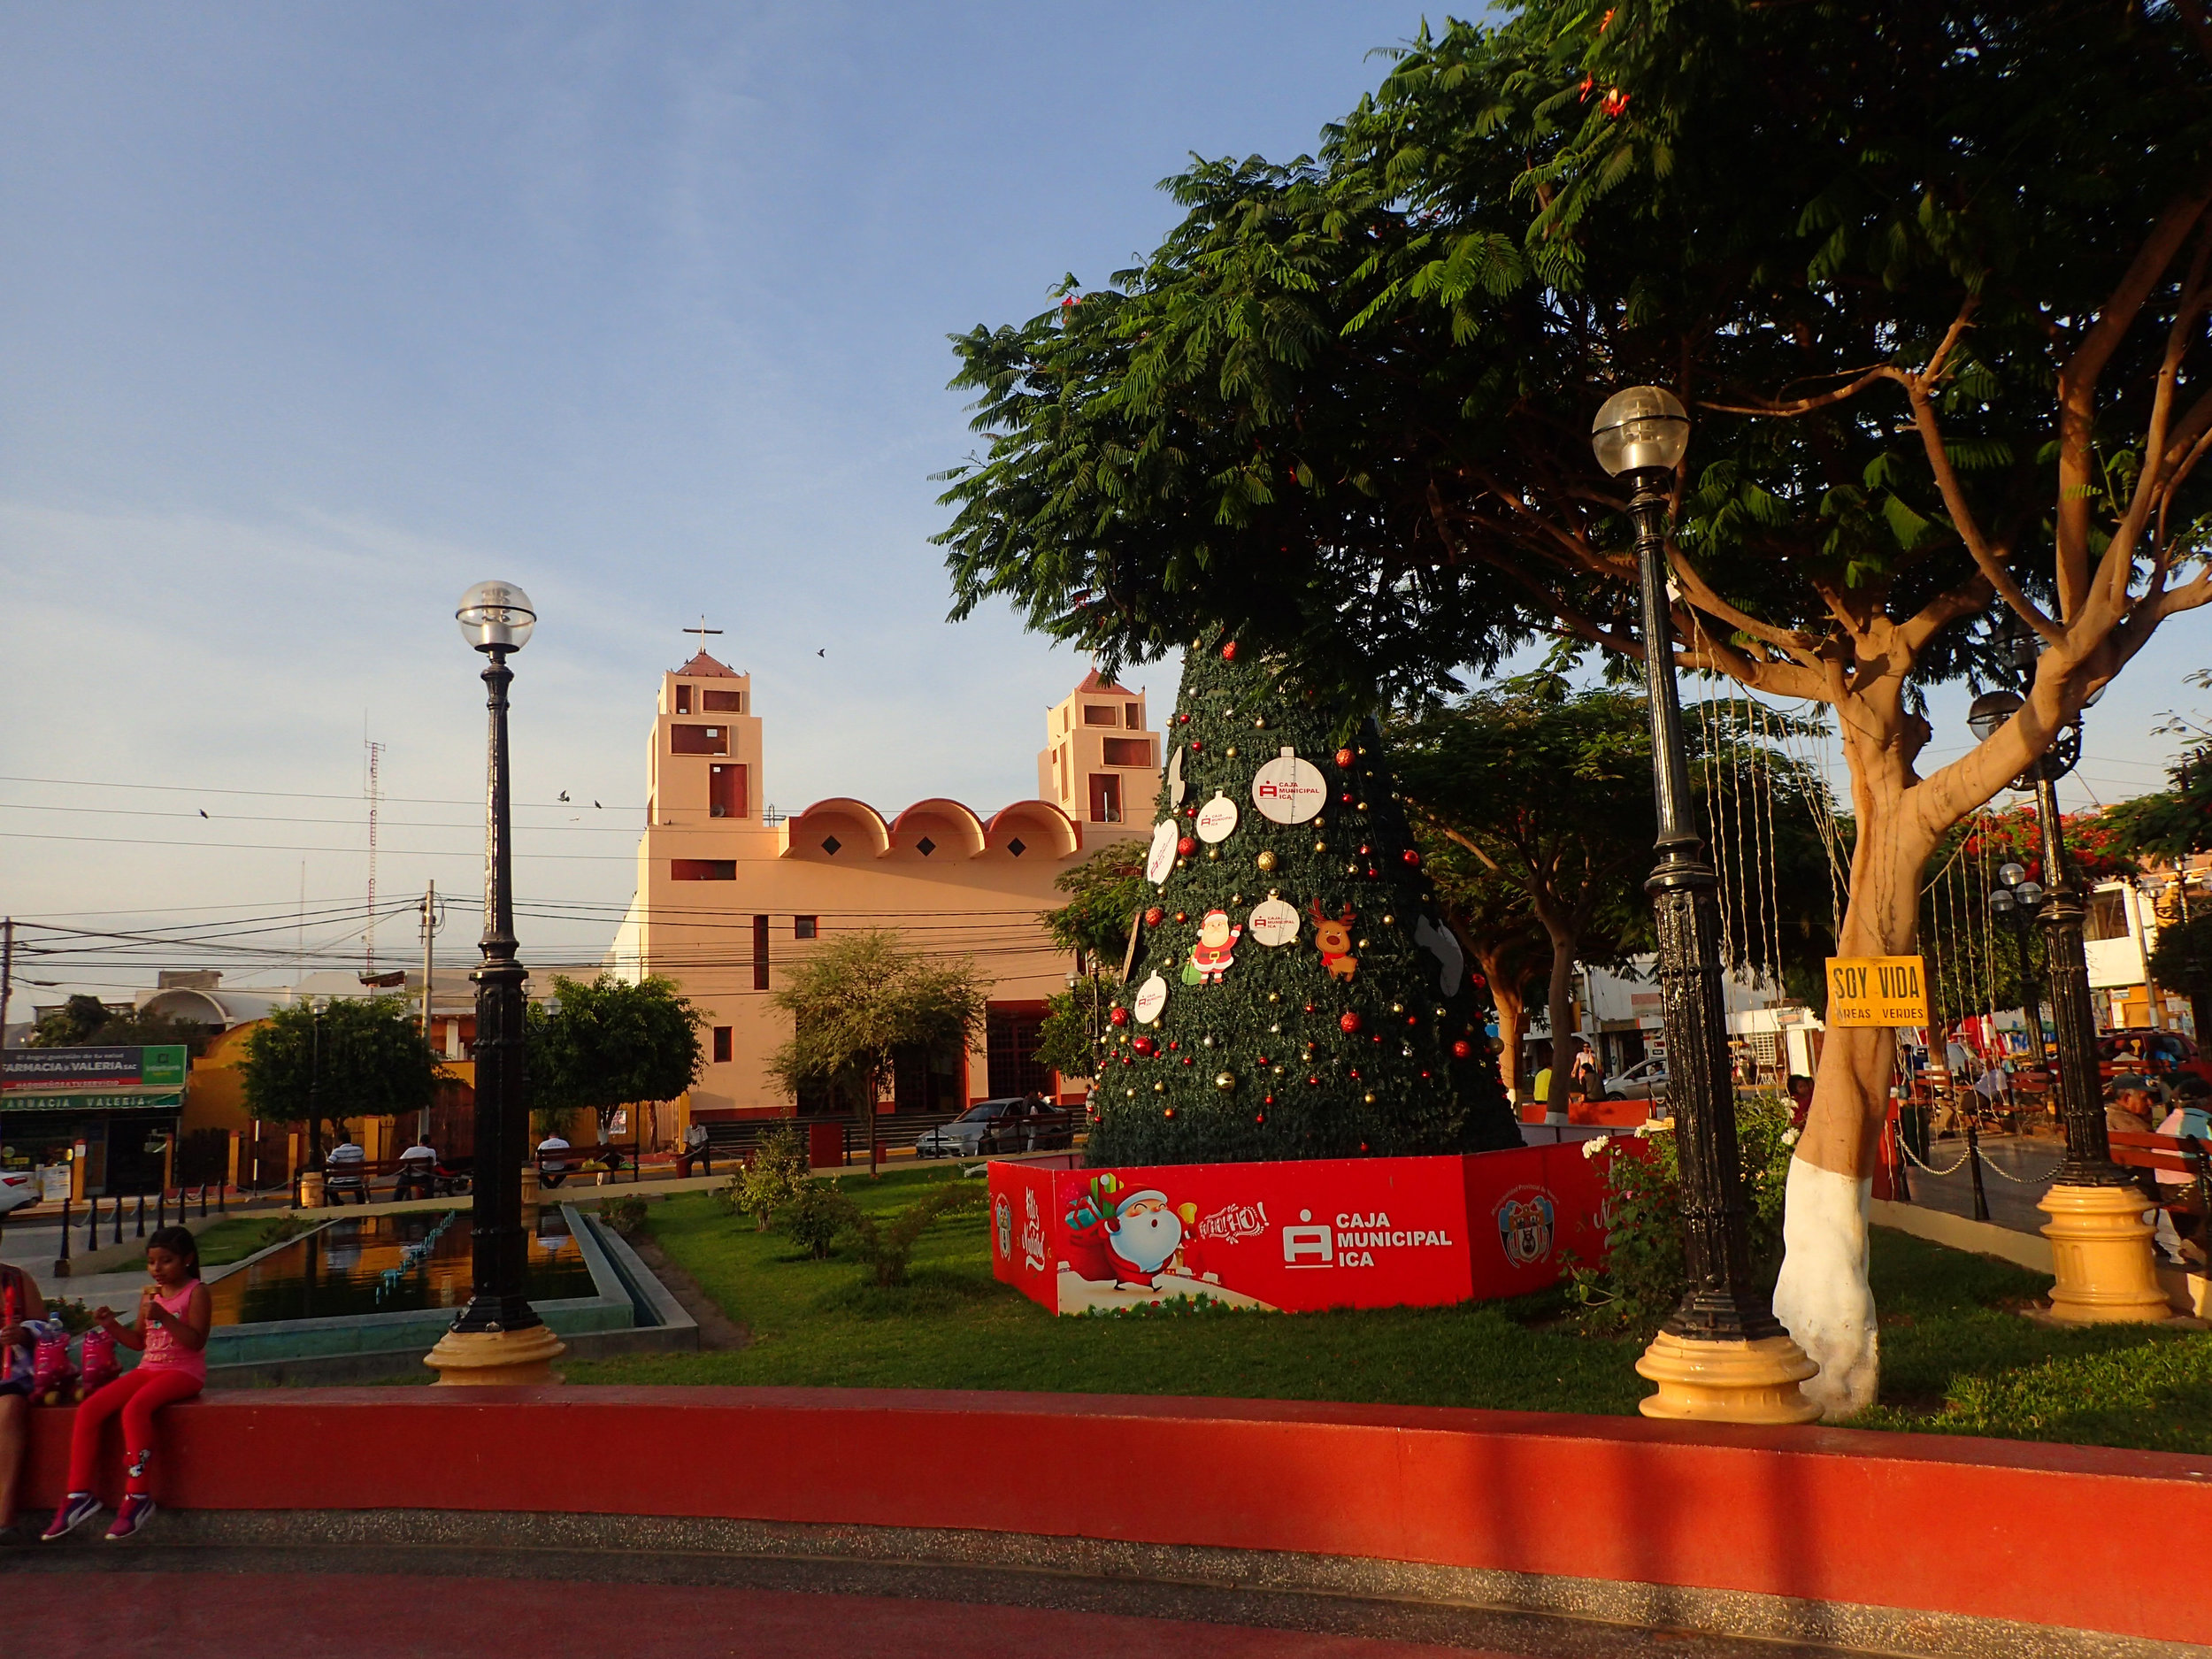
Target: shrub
(775, 1177)
(816, 1214)
(887, 1247)
(1644, 1274)
(281, 1228)
(625, 1215)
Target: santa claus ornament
(1215, 952)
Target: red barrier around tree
(1297, 1237)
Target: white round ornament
(1289, 790)
(1161, 860)
(1150, 1000)
(1216, 819)
(1273, 922)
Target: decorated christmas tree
(1293, 990)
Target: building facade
(730, 898)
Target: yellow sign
(1877, 991)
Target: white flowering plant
(1644, 1273)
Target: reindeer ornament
(1333, 937)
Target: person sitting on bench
(418, 1173)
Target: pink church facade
(729, 899)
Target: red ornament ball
(1119, 1017)
(1154, 916)
(1229, 652)
(1345, 758)
(1182, 719)
(1462, 1049)
(1186, 845)
(1412, 857)
(1145, 1045)
(1347, 1022)
(1180, 917)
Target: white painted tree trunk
(1823, 1297)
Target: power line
(287, 795)
(341, 823)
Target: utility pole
(429, 961)
(7, 973)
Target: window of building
(805, 927)
(2107, 916)
(725, 791)
(1129, 751)
(703, 869)
(699, 739)
(928, 1079)
(1105, 798)
(1132, 717)
(1099, 714)
(683, 699)
(721, 1045)
(722, 701)
(760, 953)
(1012, 1035)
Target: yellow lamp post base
(1727, 1382)
(311, 1190)
(2100, 1251)
(529, 1184)
(483, 1357)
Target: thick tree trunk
(1511, 1019)
(1559, 1010)
(1823, 1295)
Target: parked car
(1034, 1126)
(2158, 1052)
(18, 1187)
(1016, 1124)
(963, 1137)
(1647, 1080)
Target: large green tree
(2181, 961)
(861, 998)
(1932, 281)
(328, 1063)
(606, 1043)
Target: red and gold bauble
(1348, 1023)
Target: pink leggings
(137, 1394)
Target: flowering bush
(1644, 1274)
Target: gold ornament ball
(1389, 920)
(1274, 996)
(1159, 1088)
(1259, 723)
(1266, 861)
(1363, 805)
(1226, 1082)
(1397, 1008)
(1230, 751)
(1321, 847)
(1213, 852)
(1369, 1099)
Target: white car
(971, 1135)
(1647, 1080)
(18, 1187)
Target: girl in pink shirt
(173, 1315)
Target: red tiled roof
(704, 667)
(1092, 683)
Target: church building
(730, 896)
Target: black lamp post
(2101, 1243)
(2088, 1160)
(1642, 434)
(499, 1337)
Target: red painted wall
(2047, 1534)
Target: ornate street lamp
(499, 1337)
(2014, 905)
(2100, 1244)
(1722, 1355)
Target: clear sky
(311, 315)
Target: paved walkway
(2015, 1169)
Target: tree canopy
(607, 1043)
(859, 999)
(329, 1063)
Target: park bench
(2179, 1154)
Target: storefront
(103, 1120)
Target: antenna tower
(376, 798)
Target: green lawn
(1954, 1358)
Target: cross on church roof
(702, 630)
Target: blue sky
(311, 315)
